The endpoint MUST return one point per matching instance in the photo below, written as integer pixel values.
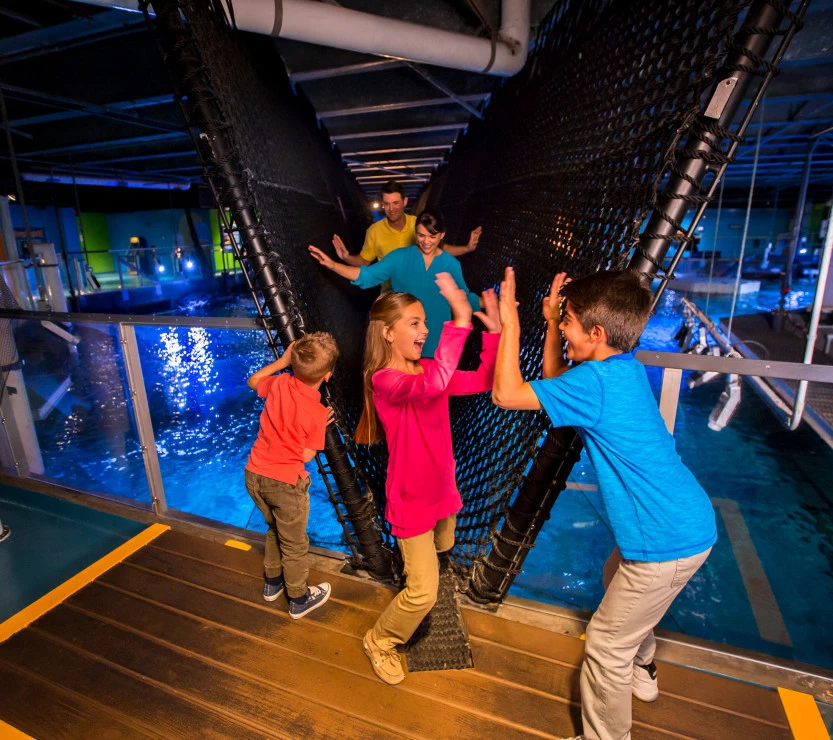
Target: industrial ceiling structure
(89, 104)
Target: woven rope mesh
(561, 173)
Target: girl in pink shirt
(406, 403)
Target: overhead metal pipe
(353, 30)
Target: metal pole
(746, 222)
(141, 411)
(818, 299)
(16, 173)
(797, 221)
(231, 190)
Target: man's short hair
(617, 300)
(391, 187)
(313, 356)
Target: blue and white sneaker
(272, 589)
(315, 597)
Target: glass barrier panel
(79, 402)
(768, 582)
(205, 419)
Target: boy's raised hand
(552, 302)
(457, 299)
(507, 304)
(490, 315)
(321, 258)
(341, 250)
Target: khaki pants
(286, 510)
(621, 633)
(422, 571)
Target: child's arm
(510, 391)
(271, 369)
(478, 381)
(398, 388)
(554, 363)
(317, 437)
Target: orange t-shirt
(292, 419)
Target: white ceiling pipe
(342, 28)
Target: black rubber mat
(441, 642)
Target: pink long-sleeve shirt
(421, 486)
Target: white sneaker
(644, 683)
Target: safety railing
(149, 411)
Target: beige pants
(621, 633)
(422, 571)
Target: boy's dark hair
(617, 300)
(391, 187)
(431, 220)
(313, 356)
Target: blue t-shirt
(656, 508)
(405, 268)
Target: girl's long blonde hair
(387, 309)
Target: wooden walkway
(176, 642)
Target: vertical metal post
(795, 237)
(669, 396)
(18, 184)
(815, 316)
(141, 411)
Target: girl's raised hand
(552, 302)
(456, 297)
(321, 258)
(507, 304)
(490, 315)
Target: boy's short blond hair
(313, 356)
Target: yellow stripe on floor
(37, 609)
(7, 732)
(237, 545)
(803, 715)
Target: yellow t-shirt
(381, 238)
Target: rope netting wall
(561, 174)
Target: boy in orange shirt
(292, 428)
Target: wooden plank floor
(178, 642)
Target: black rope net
(561, 174)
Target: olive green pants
(422, 571)
(286, 510)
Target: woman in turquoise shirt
(413, 270)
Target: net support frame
(265, 275)
(492, 576)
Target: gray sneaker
(644, 682)
(316, 596)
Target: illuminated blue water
(774, 483)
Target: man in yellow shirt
(394, 231)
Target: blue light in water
(189, 265)
(160, 268)
(802, 251)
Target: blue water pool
(771, 488)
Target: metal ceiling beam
(401, 131)
(135, 141)
(20, 17)
(800, 120)
(431, 80)
(143, 157)
(90, 109)
(385, 107)
(433, 147)
(356, 163)
(348, 69)
(65, 115)
(69, 35)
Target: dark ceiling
(87, 95)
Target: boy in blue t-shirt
(662, 520)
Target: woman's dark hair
(432, 221)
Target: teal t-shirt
(655, 506)
(405, 268)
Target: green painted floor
(51, 541)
